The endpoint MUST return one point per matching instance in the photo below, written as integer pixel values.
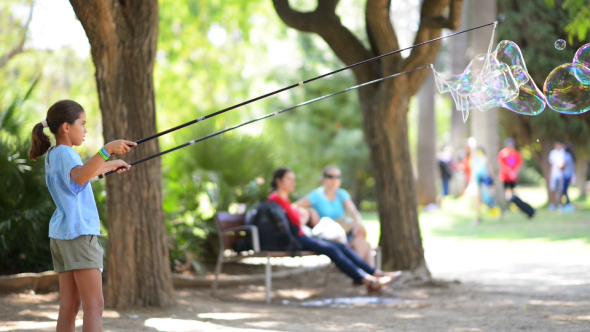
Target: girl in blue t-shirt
(333, 202)
(74, 227)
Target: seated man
(333, 202)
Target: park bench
(232, 227)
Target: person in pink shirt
(510, 162)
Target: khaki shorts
(83, 252)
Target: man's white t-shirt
(556, 159)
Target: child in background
(75, 227)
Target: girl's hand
(120, 146)
(118, 163)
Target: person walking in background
(557, 161)
(445, 164)
(510, 162)
(483, 178)
(465, 166)
(569, 173)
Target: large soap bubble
(567, 88)
(494, 79)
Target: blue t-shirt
(325, 207)
(76, 212)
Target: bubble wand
(203, 118)
(265, 117)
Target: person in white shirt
(557, 161)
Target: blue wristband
(104, 151)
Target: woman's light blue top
(76, 212)
(325, 207)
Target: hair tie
(44, 123)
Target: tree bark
(384, 107)
(123, 38)
(426, 151)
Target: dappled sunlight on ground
(512, 274)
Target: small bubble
(560, 44)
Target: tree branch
(19, 48)
(431, 13)
(381, 33)
(96, 18)
(324, 22)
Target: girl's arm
(111, 166)
(84, 173)
(303, 203)
(350, 208)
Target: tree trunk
(123, 39)
(426, 151)
(459, 129)
(386, 131)
(485, 126)
(582, 176)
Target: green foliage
(579, 15)
(25, 204)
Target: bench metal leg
(218, 268)
(328, 272)
(268, 278)
(378, 258)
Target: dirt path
(526, 285)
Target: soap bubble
(560, 44)
(494, 79)
(567, 88)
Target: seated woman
(283, 183)
(333, 202)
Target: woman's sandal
(394, 275)
(376, 285)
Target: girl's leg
(566, 184)
(69, 302)
(354, 258)
(89, 282)
(336, 255)
(363, 249)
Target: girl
(333, 202)
(75, 226)
(283, 183)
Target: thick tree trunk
(426, 150)
(386, 132)
(123, 38)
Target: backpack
(275, 231)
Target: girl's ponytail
(59, 113)
(40, 142)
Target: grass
(455, 219)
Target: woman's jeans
(344, 258)
(566, 185)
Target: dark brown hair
(279, 173)
(329, 168)
(59, 113)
